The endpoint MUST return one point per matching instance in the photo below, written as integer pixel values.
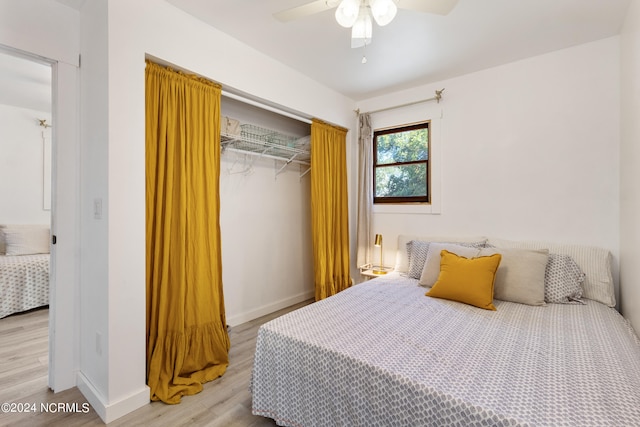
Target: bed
(383, 353)
(24, 268)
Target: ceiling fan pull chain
(364, 53)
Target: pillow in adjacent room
(3, 227)
(465, 280)
(521, 275)
(563, 280)
(26, 241)
(431, 268)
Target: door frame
(64, 308)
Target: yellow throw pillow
(466, 280)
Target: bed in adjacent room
(383, 353)
(24, 268)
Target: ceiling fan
(358, 14)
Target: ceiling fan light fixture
(347, 12)
(362, 30)
(383, 11)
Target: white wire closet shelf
(268, 143)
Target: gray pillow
(563, 280)
(417, 252)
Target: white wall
(113, 167)
(529, 150)
(95, 275)
(265, 222)
(630, 168)
(41, 27)
(22, 166)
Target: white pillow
(3, 247)
(520, 275)
(593, 261)
(431, 269)
(402, 258)
(26, 240)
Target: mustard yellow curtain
(187, 341)
(329, 209)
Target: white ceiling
(415, 48)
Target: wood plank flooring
(225, 402)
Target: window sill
(407, 208)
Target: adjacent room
(364, 203)
(25, 217)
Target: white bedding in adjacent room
(382, 353)
(24, 283)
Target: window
(401, 164)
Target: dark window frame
(408, 199)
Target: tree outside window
(401, 164)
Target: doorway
(61, 136)
(25, 191)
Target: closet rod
(265, 106)
(438, 97)
(266, 156)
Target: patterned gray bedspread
(383, 354)
(24, 283)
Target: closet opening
(265, 204)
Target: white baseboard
(110, 412)
(263, 310)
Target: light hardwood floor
(225, 402)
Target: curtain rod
(438, 97)
(265, 107)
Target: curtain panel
(187, 340)
(365, 189)
(329, 209)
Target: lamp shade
(347, 12)
(383, 11)
(378, 240)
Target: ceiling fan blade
(305, 10)
(438, 7)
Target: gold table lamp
(380, 269)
